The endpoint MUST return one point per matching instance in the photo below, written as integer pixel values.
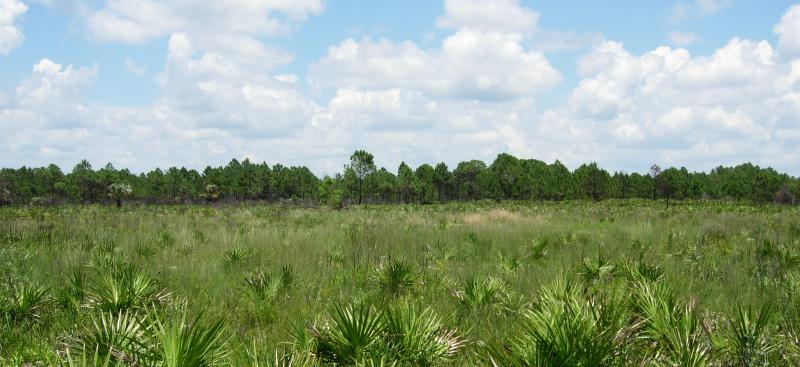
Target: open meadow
(512, 284)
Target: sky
(624, 83)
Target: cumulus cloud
(10, 34)
(399, 124)
(788, 31)
(475, 91)
(488, 15)
(470, 64)
(214, 90)
(732, 106)
(53, 93)
(473, 95)
(47, 113)
(220, 94)
(197, 121)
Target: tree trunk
(360, 182)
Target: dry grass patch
(492, 216)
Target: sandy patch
(494, 215)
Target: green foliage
(573, 283)
(597, 269)
(405, 333)
(672, 324)
(122, 289)
(417, 337)
(119, 191)
(263, 287)
(72, 295)
(395, 278)
(26, 302)
(568, 328)
(86, 359)
(479, 292)
(353, 333)
(190, 344)
(236, 255)
(747, 342)
(211, 193)
(114, 337)
(506, 178)
(361, 165)
(537, 249)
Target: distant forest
(507, 178)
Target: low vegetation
(571, 283)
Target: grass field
(510, 284)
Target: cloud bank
(473, 95)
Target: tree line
(361, 181)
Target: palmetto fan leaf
(123, 289)
(280, 358)
(568, 328)
(480, 292)
(262, 287)
(236, 255)
(118, 337)
(746, 342)
(596, 269)
(195, 344)
(72, 295)
(416, 336)
(27, 301)
(86, 359)
(352, 333)
(396, 277)
(671, 324)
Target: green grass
(528, 284)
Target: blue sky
(145, 83)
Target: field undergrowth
(574, 283)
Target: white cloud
(214, 90)
(136, 21)
(399, 124)
(133, 67)
(53, 92)
(712, 6)
(697, 9)
(10, 34)
(682, 39)
(471, 96)
(470, 64)
(488, 15)
(47, 113)
(220, 93)
(733, 106)
(788, 31)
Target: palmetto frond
(417, 336)
(124, 289)
(747, 342)
(189, 344)
(351, 334)
(671, 324)
(27, 301)
(396, 277)
(118, 337)
(567, 328)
